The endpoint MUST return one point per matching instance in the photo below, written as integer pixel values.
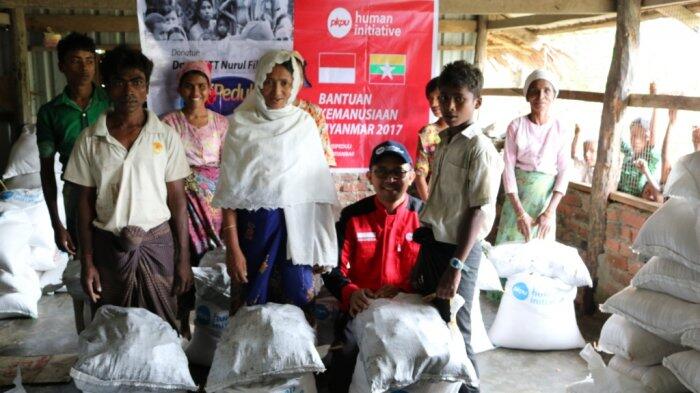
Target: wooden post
(480, 47)
(21, 65)
(617, 91)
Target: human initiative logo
(339, 22)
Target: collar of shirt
(471, 131)
(98, 95)
(381, 210)
(152, 126)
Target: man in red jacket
(375, 240)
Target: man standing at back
(60, 121)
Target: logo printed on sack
(339, 22)
(203, 315)
(520, 291)
(409, 236)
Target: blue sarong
(262, 235)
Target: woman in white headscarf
(536, 163)
(276, 190)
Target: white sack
(604, 379)
(671, 233)
(359, 384)
(656, 379)
(271, 341)
(213, 257)
(32, 202)
(304, 384)
(480, 341)
(661, 314)
(623, 338)
(19, 284)
(487, 278)
(212, 303)
(691, 339)
(666, 276)
(130, 350)
(686, 367)
(536, 313)
(24, 155)
(684, 179)
(30, 180)
(43, 258)
(545, 257)
(52, 280)
(404, 340)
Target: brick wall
(351, 187)
(626, 215)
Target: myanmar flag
(387, 69)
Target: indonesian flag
(336, 68)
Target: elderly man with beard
(130, 169)
(377, 251)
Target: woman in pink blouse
(202, 132)
(536, 164)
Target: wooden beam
(20, 65)
(617, 90)
(482, 33)
(530, 21)
(631, 200)
(664, 101)
(635, 100)
(448, 47)
(83, 23)
(649, 14)
(4, 19)
(587, 96)
(551, 7)
(456, 26)
(485, 7)
(681, 14)
(123, 5)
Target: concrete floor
(502, 370)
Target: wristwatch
(457, 263)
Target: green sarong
(534, 191)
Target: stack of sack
(405, 346)
(130, 350)
(23, 181)
(654, 332)
(537, 309)
(266, 348)
(19, 283)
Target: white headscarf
(273, 158)
(544, 75)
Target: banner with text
(231, 34)
(369, 62)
